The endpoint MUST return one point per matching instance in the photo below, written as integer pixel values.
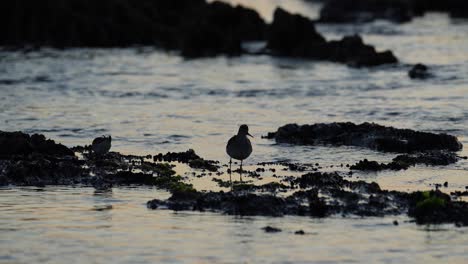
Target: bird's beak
(249, 135)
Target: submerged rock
(270, 229)
(368, 135)
(295, 35)
(419, 71)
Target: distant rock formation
(194, 28)
(357, 11)
(295, 35)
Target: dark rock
(456, 8)
(325, 194)
(433, 158)
(436, 207)
(317, 206)
(270, 229)
(18, 143)
(367, 135)
(419, 71)
(127, 178)
(346, 11)
(353, 51)
(365, 165)
(233, 203)
(395, 222)
(294, 35)
(194, 27)
(189, 157)
(459, 193)
(351, 11)
(404, 161)
(299, 232)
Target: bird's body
(101, 145)
(239, 147)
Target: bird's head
(244, 131)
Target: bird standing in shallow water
(239, 147)
(101, 145)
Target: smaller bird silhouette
(101, 145)
(239, 147)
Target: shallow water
(153, 101)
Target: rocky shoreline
(33, 160)
(193, 28)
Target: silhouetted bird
(239, 147)
(101, 145)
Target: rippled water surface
(153, 101)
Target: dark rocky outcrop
(366, 165)
(33, 160)
(194, 27)
(321, 195)
(419, 71)
(436, 207)
(189, 157)
(352, 11)
(294, 35)
(433, 158)
(346, 11)
(19, 143)
(404, 161)
(37, 161)
(368, 135)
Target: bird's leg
(230, 171)
(240, 173)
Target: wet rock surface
(36, 161)
(428, 158)
(189, 157)
(295, 35)
(366, 165)
(367, 135)
(33, 160)
(322, 195)
(404, 161)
